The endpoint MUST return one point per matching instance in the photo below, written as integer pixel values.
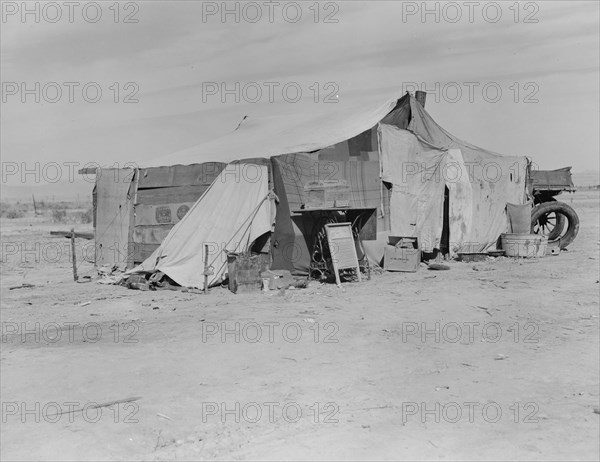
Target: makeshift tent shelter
(402, 168)
(134, 209)
(419, 158)
(232, 213)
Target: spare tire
(556, 219)
(562, 212)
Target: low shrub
(59, 215)
(11, 211)
(85, 217)
(14, 213)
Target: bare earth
(361, 383)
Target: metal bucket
(524, 245)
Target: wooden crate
(245, 272)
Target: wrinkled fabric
(495, 180)
(230, 215)
(422, 161)
(519, 218)
(264, 137)
(413, 168)
(461, 195)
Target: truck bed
(552, 180)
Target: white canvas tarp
(416, 204)
(230, 215)
(480, 185)
(264, 137)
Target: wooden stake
(206, 268)
(74, 258)
(34, 206)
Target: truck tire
(557, 219)
(562, 212)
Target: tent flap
(423, 160)
(235, 210)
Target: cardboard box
(402, 254)
(327, 194)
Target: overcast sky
(542, 56)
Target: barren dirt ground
(345, 374)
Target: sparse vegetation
(85, 217)
(15, 213)
(59, 215)
(11, 211)
(60, 205)
(58, 212)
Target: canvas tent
(419, 158)
(233, 212)
(397, 161)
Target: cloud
(370, 52)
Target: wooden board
(342, 248)
(167, 214)
(298, 169)
(139, 252)
(179, 175)
(133, 194)
(160, 196)
(67, 234)
(114, 209)
(150, 234)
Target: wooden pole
(421, 96)
(205, 268)
(34, 206)
(74, 258)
